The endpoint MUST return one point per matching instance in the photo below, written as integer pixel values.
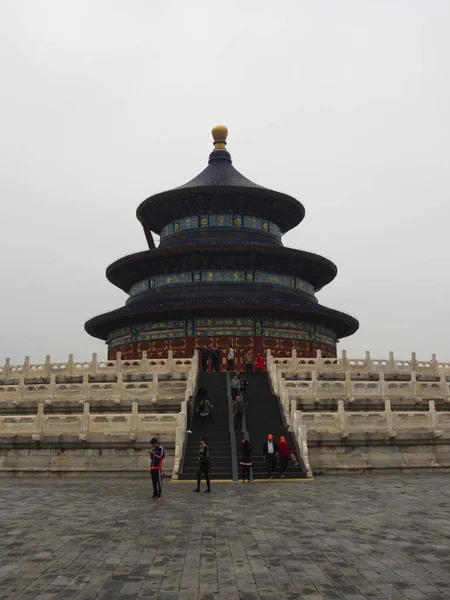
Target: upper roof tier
(220, 189)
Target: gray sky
(342, 104)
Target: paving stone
(354, 538)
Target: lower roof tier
(242, 302)
(134, 268)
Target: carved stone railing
(85, 423)
(30, 370)
(362, 365)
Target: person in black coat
(204, 356)
(270, 450)
(246, 460)
(203, 465)
(215, 358)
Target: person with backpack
(203, 465)
(156, 458)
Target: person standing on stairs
(156, 458)
(270, 450)
(243, 389)
(246, 460)
(203, 465)
(284, 452)
(230, 358)
(235, 384)
(238, 414)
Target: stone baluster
(434, 419)
(118, 363)
(414, 384)
(85, 389)
(368, 361)
(391, 362)
(383, 385)
(434, 365)
(342, 419)
(26, 366)
(319, 361)
(348, 384)
(314, 384)
(170, 364)
(69, 367)
(389, 418)
(40, 422)
(155, 387)
(134, 422)
(144, 362)
(413, 361)
(20, 389)
(85, 418)
(47, 367)
(94, 363)
(118, 392)
(7, 367)
(344, 361)
(294, 361)
(444, 387)
(52, 387)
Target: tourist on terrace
(235, 384)
(203, 465)
(204, 355)
(156, 459)
(284, 452)
(230, 358)
(246, 460)
(248, 359)
(215, 358)
(260, 362)
(270, 450)
(238, 414)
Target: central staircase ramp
(217, 433)
(263, 416)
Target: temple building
(221, 274)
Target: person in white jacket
(230, 358)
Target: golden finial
(220, 134)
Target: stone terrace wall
(359, 414)
(71, 417)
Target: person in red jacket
(284, 452)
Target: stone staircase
(263, 416)
(217, 433)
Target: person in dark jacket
(215, 358)
(204, 356)
(203, 465)
(270, 450)
(246, 460)
(243, 385)
(284, 452)
(156, 458)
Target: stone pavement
(353, 537)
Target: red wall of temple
(184, 348)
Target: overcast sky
(342, 104)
